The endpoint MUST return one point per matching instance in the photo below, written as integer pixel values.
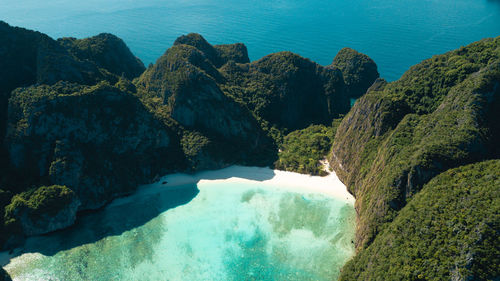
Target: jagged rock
(99, 141)
(448, 231)
(287, 90)
(400, 135)
(44, 210)
(358, 70)
(218, 55)
(187, 82)
(106, 51)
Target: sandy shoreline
(329, 185)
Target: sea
(207, 230)
(395, 33)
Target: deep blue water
(395, 33)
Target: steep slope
(99, 141)
(287, 91)
(29, 57)
(183, 86)
(106, 51)
(358, 70)
(449, 231)
(440, 115)
(218, 55)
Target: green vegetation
(448, 231)
(358, 70)
(302, 150)
(202, 106)
(45, 200)
(400, 135)
(287, 91)
(106, 51)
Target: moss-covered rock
(218, 55)
(28, 57)
(400, 135)
(287, 91)
(449, 231)
(42, 210)
(106, 51)
(186, 82)
(99, 141)
(358, 70)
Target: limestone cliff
(106, 51)
(448, 231)
(99, 141)
(358, 70)
(441, 114)
(288, 91)
(42, 210)
(187, 83)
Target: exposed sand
(329, 185)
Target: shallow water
(227, 231)
(395, 33)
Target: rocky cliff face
(449, 231)
(187, 82)
(106, 51)
(28, 57)
(43, 210)
(400, 135)
(99, 141)
(358, 70)
(288, 91)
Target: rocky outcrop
(46, 209)
(358, 70)
(99, 141)
(400, 135)
(447, 232)
(288, 91)
(29, 57)
(106, 51)
(218, 55)
(187, 82)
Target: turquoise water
(395, 33)
(226, 231)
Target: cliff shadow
(249, 173)
(123, 214)
(127, 213)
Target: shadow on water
(249, 173)
(128, 213)
(120, 216)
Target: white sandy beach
(229, 220)
(329, 185)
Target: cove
(238, 223)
